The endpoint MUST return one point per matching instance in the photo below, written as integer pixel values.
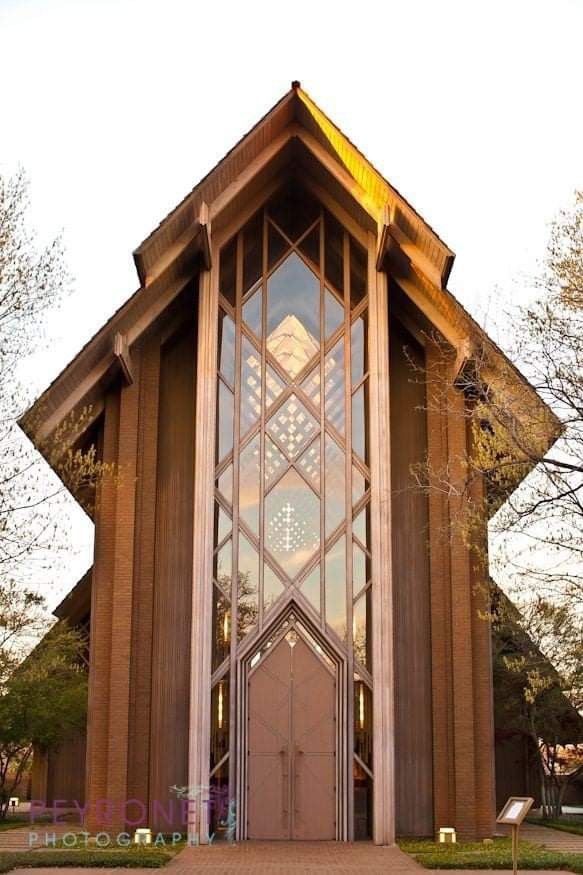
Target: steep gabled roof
(294, 130)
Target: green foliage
(42, 702)
(538, 699)
(497, 855)
(123, 858)
(45, 699)
(564, 824)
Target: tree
(41, 695)
(540, 700)
(33, 280)
(43, 700)
(534, 496)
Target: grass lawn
(498, 855)
(566, 824)
(17, 821)
(123, 857)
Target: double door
(291, 736)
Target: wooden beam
(121, 352)
(382, 591)
(391, 233)
(161, 296)
(202, 552)
(205, 235)
(337, 171)
(462, 361)
(411, 288)
(250, 172)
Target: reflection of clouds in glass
(249, 484)
(335, 587)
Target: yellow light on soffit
(376, 191)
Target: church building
(286, 628)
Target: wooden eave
(294, 131)
(77, 603)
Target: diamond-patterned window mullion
(292, 483)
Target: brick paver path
(554, 839)
(20, 840)
(300, 857)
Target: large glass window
(292, 477)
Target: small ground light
(447, 835)
(143, 836)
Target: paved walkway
(280, 858)
(554, 839)
(293, 857)
(20, 839)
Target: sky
(116, 109)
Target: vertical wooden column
(200, 665)
(101, 622)
(462, 618)
(382, 589)
(441, 646)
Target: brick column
(143, 595)
(483, 682)
(462, 619)
(441, 632)
(122, 616)
(101, 620)
(111, 615)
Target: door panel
(269, 718)
(292, 746)
(314, 729)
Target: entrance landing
(277, 858)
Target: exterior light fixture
(226, 626)
(447, 835)
(143, 836)
(220, 707)
(361, 706)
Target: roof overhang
(294, 133)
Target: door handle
(284, 783)
(298, 752)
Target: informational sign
(513, 814)
(515, 810)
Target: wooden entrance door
(292, 745)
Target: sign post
(512, 815)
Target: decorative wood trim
(100, 372)
(411, 286)
(121, 351)
(201, 643)
(382, 592)
(462, 361)
(391, 233)
(205, 235)
(249, 173)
